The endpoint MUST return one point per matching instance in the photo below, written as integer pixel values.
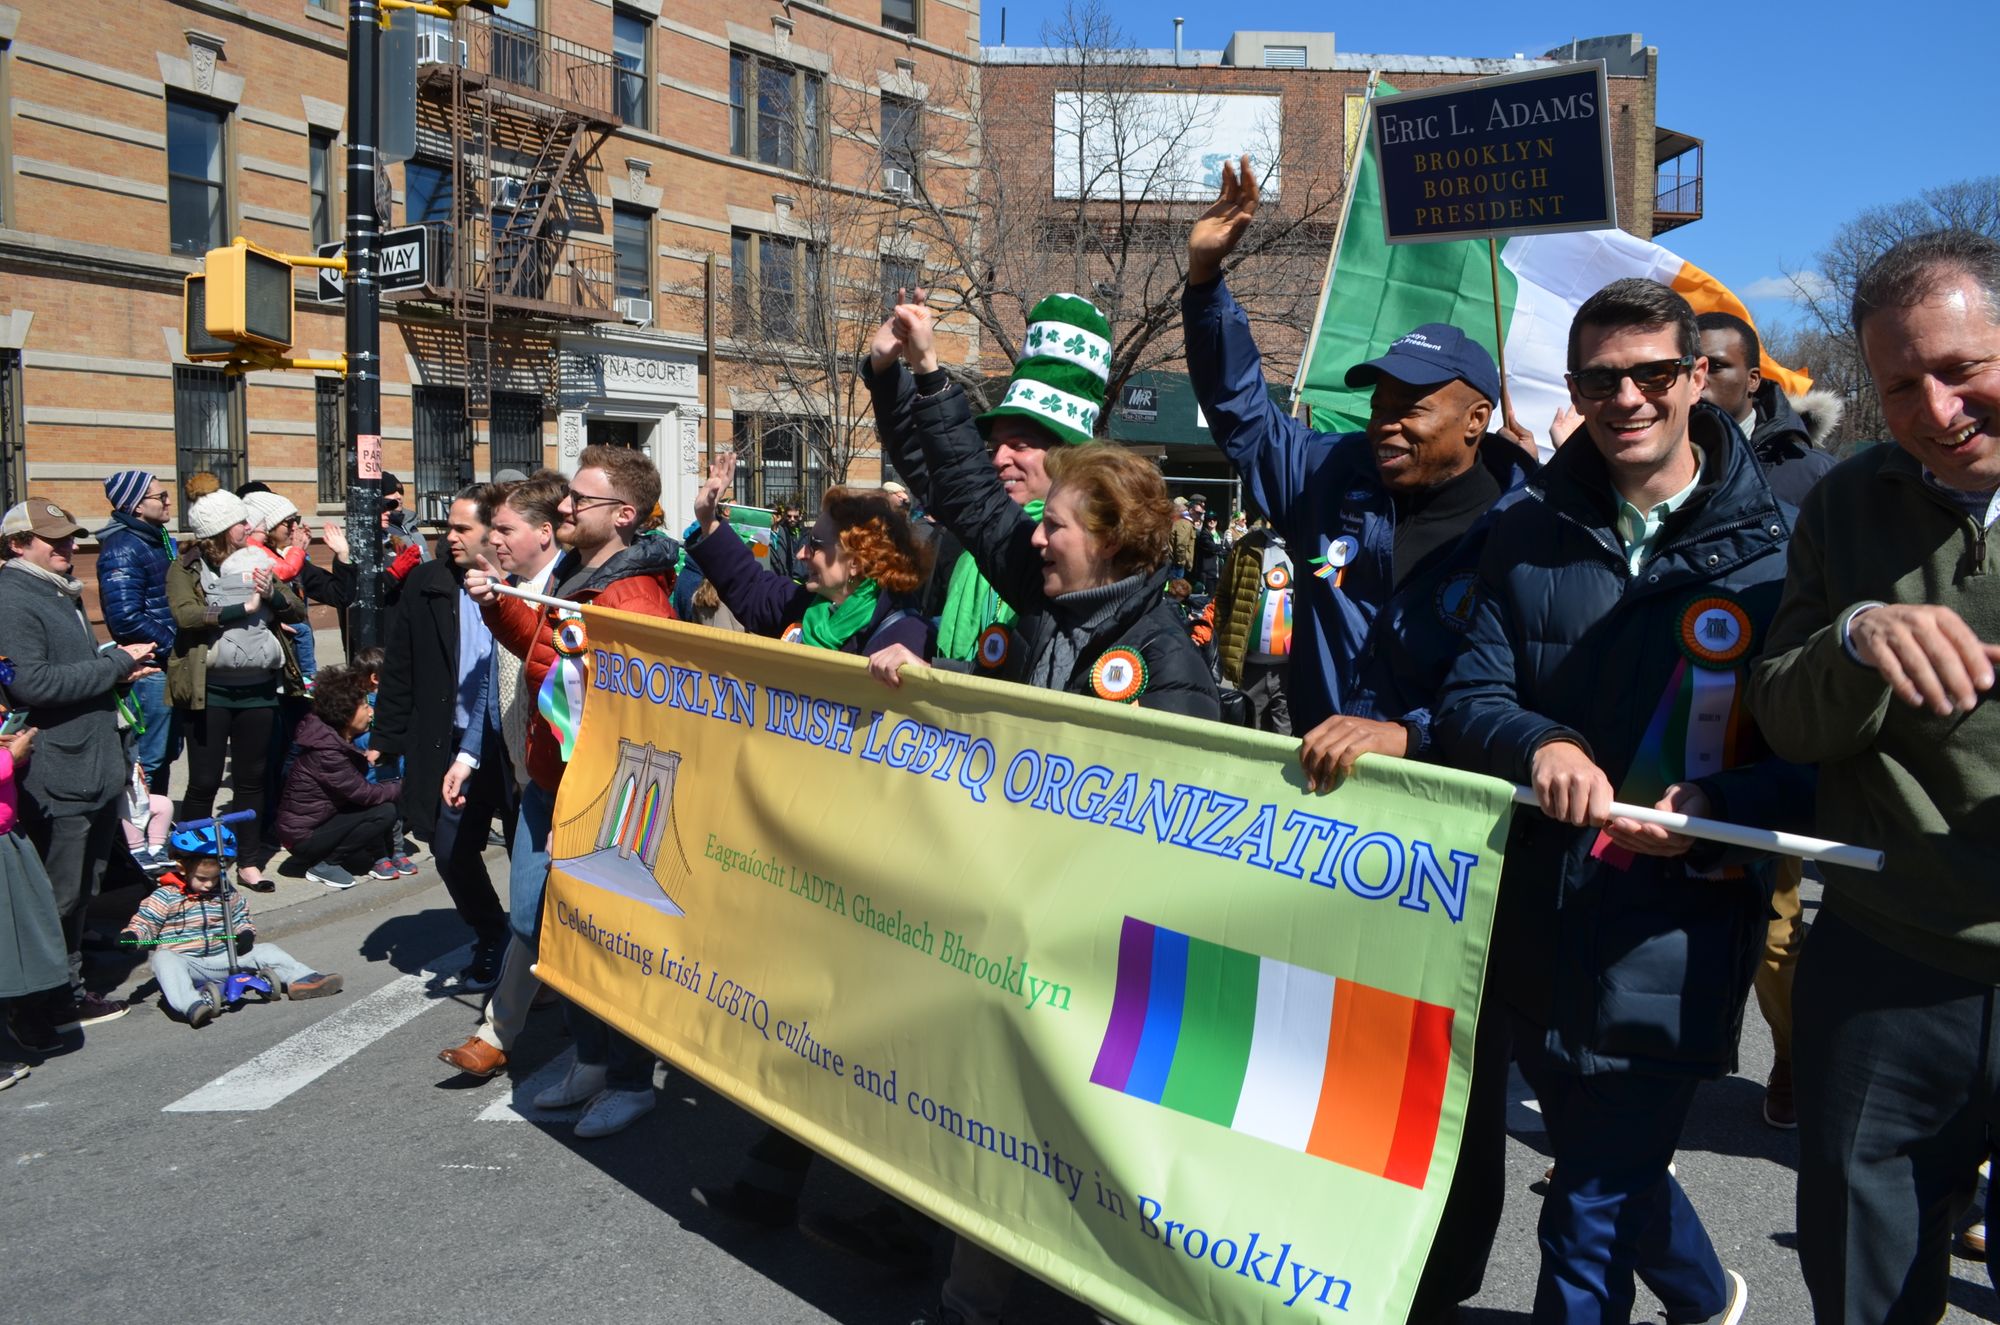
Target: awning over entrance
(1159, 409)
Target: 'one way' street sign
(399, 264)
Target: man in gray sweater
(70, 795)
(1880, 668)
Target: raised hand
(336, 538)
(886, 346)
(915, 323)
(708, 502)
(1218, 230)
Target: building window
(630, 34)
(209, 429)
(902, 15)
(427, 200)
(514, 432)
(780, 459)
(774, 113)
(774, 284)
(632, 243)
(326, 228)
(197, 208)
(899, 274)
(442, 440)
(13, 441)
(517, 44)
(902, 134)
(330, 438)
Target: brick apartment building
(651, 222)
(1122, 233)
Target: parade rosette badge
(1338, 554)
(1118, 675)
(1277, 578)
(570, 640)
(560, 699)
(794, 633)
(995, 643)
(1715, 632)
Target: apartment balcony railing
(540, 276)
(1677, 199)
(517, 58)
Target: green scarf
(971, 605)
(828, 627)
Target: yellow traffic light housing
(196, 342)
(249, 296)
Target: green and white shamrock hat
(1064, 369)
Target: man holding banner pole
(1649, 566)
(1881, 667)
(1385, 528)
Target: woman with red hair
(864, 565)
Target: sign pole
(364, 328)
(1499, 327)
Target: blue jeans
(1612, 1209)
(179, 973)
(307, 649)
(156, 748)
(528, 866)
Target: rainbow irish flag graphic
(1294, 1056)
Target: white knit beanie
(215, 513)
(268, 509)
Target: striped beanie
(127, 488)
(1064, 369)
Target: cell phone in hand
(15, 722)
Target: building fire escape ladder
(534, 242)
(473, 116)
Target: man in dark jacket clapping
(133, 554)
(1611, 626)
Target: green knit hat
(1064, 369)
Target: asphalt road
(348, 1175)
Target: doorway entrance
(630, 433)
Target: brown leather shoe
(475, 1058)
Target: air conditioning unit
(507, 191)
(437, 47)
(897, 180)
(638, 312)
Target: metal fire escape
(523, 114)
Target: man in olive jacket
(1880, 667)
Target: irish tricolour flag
(1378, 291)
(753, 525)
(1304, 1060)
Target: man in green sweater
(1880, 668)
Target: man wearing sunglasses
(1611, 629)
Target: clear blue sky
(1809, 114)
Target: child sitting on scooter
(199, 932)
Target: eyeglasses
(578, 501)
(812, 544)
(1651, 378)
(161, 496)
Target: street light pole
(364, 327)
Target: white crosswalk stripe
(299, 1060)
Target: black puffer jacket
(1784, 447)
(967, 498)
(1642, 967)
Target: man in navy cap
(1385, 525)
(1385, 528)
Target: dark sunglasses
(1651, 378)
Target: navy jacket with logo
(1643, 967)
(1360, 649)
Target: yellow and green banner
(1105, 990)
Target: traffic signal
(196, 343)
(249, 293)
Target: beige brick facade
(90, 284)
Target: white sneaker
(582, 1082)
(614, 1111)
